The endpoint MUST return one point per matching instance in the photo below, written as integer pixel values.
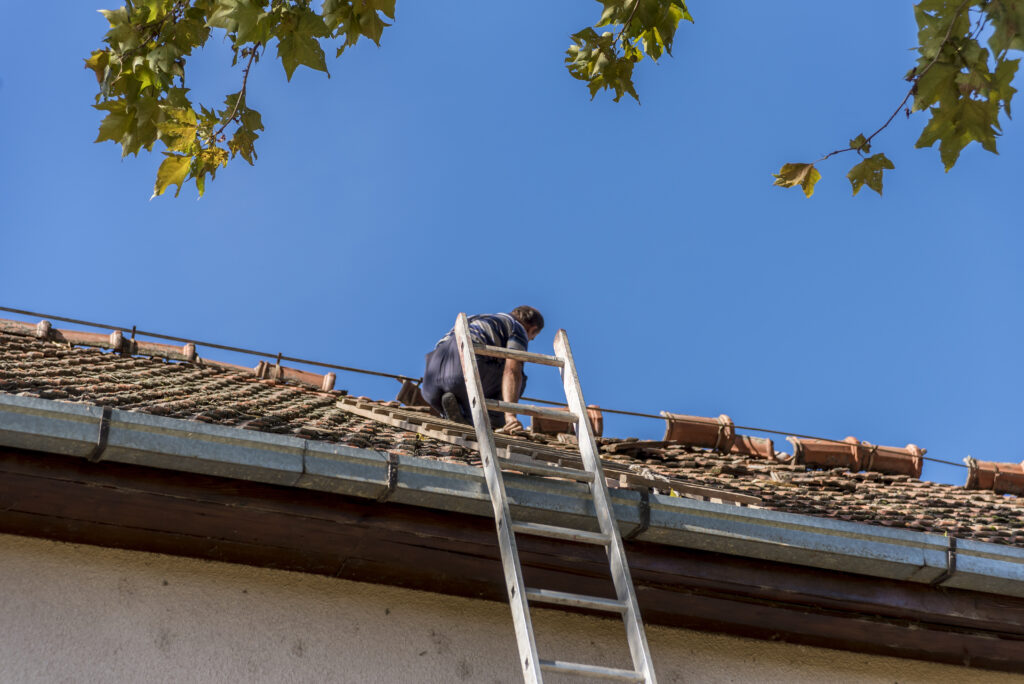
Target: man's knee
(431, 394)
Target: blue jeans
(444, 374)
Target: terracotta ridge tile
(1001, 478)
(116, 342)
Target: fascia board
(175, 444)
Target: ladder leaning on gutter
(520, 596)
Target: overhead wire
(737, 427)
(213, 345)
(403, 378)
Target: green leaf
(804, 175)
(117, 122)
(655, 23)
(295, 50)
(957, 125)
(355, 18)
(593, 59)
(869, 172)
(938, 84)
(605, 61)
(115, 18)
(242, 142)
(249, 20)
(385, 6)
(935, 20)
(179, 130)
(249, 121)
(1000, 89)
(173, 170)
(123, 35)
(297, 40)
(860, 144)
(98, 61)
(252, 120)
(1007, 25)
(163, 60)
(146, 78)
(177, 97)
(155, 9)
(145, 112)
(211, 158)
(207, 161)
(338, 13)
(188, 32)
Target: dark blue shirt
(496, 330)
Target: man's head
(530, 318)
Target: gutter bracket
(392, 478)
(950, 564)
(304, 471)
(101, 439)
(644, 510)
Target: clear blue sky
(460, 168)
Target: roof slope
(235, 396)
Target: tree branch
(241, 93)
(913, 87)
(625, 24)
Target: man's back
(496, 330)
(444, 386)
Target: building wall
(75, 613)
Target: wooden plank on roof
(450, 431)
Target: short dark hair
(528, 316)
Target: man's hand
(512, 425)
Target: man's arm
(511, 384)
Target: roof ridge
(999, 477)
(118, 343)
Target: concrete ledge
(182, 445)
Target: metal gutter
(77, 430)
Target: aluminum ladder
(521, 596)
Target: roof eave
(190, 446)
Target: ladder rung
(555, 532)
(591, 670)
(562, 598)
(531, 410)
(549, 471)
(504, 353)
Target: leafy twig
(980, 25)
(629, 19)
(913, 87)
(241, 93)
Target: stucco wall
(73, 613)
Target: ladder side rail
(625, 592)
(529, 662)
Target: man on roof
(444, 386)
